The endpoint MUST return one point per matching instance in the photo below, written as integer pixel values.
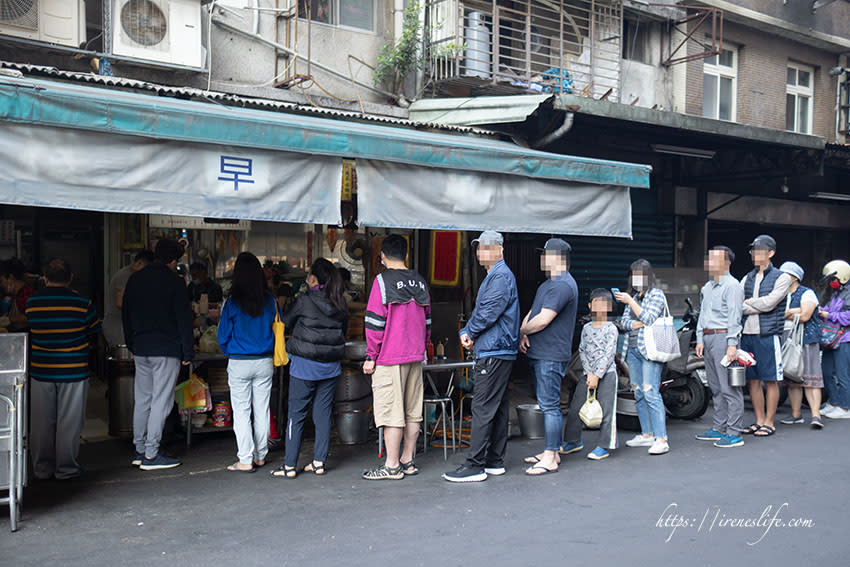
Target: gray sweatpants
(606, 395)
(156, 377)
(58, 413)
(728, 400)
(250, 384)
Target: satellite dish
(144, 22)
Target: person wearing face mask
(644, 305)
(836, 362)
(765, 292)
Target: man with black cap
(765, 290)
(492, 333)
(546, 337)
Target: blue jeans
(645, 376)
(836, 375)
(548, 375)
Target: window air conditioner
(51, 21)
(162, 31)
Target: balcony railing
(509, 46)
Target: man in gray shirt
(113, 330)
(718, 329)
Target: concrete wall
(650, 83)
(762, 63)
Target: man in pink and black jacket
(398, 326)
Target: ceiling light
(830, 196)
(682, 151)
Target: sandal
(235, 468)
(538, 467)
(384, 473)
(766, 428)
(313, 467)
(751, 430)
(409, 469)
(285, 472)
(532, 460)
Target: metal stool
(464, 397)
(443, 401)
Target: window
(635, 41)
(719, 85)
(799, 93)
(358, 14)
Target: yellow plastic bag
(280, 356)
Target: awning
(111, 150)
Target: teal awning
(41, 104)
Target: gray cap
(556, 244)
(764, 241)
(792, 268)
(489, 238)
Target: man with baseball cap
(546, 337)
(765, 291)
(492, 333)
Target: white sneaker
(494, 471)
(827, 408)
(659, 448)
(640, 441)
(838, 414)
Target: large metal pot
(355, 350)
(122, 379)
(353, 426)
(121, 352)
(530, 421)
(352, 385)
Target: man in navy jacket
(492, 333)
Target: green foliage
(396, 60)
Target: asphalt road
(732, 507)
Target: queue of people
(754, 316)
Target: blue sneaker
(710, 435)
(598, 454)
(159, 462)
(568, 448)
(137, 458)
(730, 441)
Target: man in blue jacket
(492, 333)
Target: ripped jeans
(645, 377)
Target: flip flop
(314, 468)
(539, 467)
(751, 430)
(235, 468)
(770, 431)
(532, 460)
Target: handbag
(830, 335)
(591, 411)
(793, 365)
(660, 339)
(280, 356)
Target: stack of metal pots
(353, 398)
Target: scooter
(684, 386)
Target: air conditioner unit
(50, 21)
(163, 31)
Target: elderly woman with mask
(644, 304)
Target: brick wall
(762, 64)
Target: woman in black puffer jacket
(318, 319)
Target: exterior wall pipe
(557, 134)
(224, 25)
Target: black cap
(764, 241)
(556, 244)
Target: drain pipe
(557, 134)
(226, 26)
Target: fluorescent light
(682, 151)
(830, 196)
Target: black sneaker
(137, 459)
(465, 474)
(159, 462)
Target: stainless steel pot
(353, 426)
(355, 350)
(530, 421)
(121, 352)
(737, 375)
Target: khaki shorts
(397, 394)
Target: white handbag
(793, 365)
(660, 339)
(591, 411)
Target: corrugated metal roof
(477, 110)
(230, 99)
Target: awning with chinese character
(110, 150)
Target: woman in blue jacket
(245, 336)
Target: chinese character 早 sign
(236, 170)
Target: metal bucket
(737, 375)
(530, 421)
(122, 379)
(352, 385)
(353, 426)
